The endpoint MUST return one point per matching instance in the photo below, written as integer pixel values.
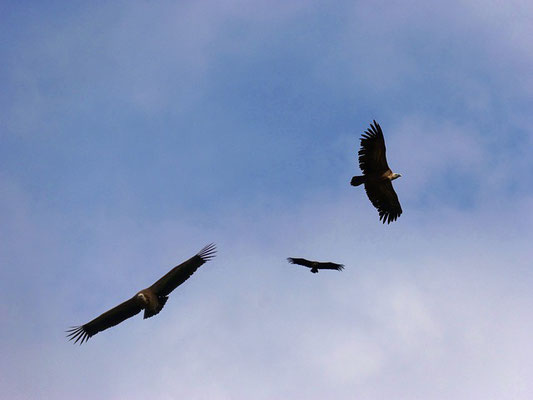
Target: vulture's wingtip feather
(208, 252)
(76, 333)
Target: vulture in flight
(151, 300)
(315, 265)
(377, 176)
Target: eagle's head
(394, 176)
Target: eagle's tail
(358, 180)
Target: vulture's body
(151, 300)
(315, 265)
(377, 176)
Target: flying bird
(315, 265)
(377, 176)
(151, 300)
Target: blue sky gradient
(134, 133)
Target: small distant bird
(315, 265)
(377, 176)
(151, 299)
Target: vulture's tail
(358, 180)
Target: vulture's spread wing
(177, 275)
(300, 261)
(108, 319)
(384, 198)
(372, 157)
(330, 265)
(315, 264)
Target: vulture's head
(394, 176)
(142, 299)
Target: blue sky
(134, 133)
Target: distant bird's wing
(330, 265)
(385, 199)
(372, 157)
(177, 275)
(300, 261)
(108, 319)
(315, 264)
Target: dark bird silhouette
(151, 299)
(315, 265)
(377, 176)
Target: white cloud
(442, 311)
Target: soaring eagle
(315, 265)
(151, 299)
(377, 176)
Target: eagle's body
(151, 300)
(377, 176)
(315, 265)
